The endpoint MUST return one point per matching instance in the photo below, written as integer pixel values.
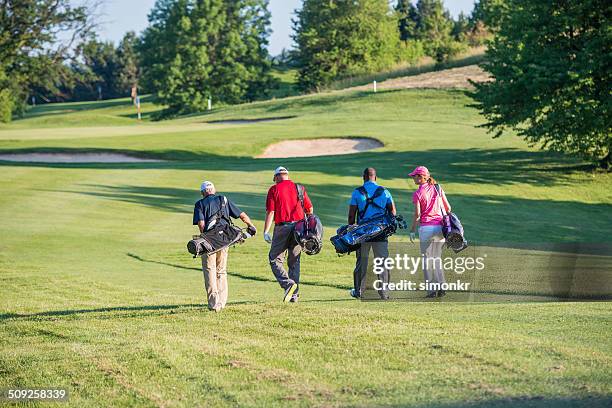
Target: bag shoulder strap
(300, 194)
(439, 198)
(370, 200)
(224, 211)
(221, 214)
(379, 191)
(363, 192)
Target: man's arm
(268, 223)
(308, 207)
(390, 203)
(352, 214)
(391, 208)
(235, 212)
(245, 218)
(198, 217)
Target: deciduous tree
(337, 38)
(196, 49)
(550, 61)
(30, 32)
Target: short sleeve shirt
(206, 208)
(283, 200)
(381, 201)
(426, 197)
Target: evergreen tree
(408, 19)
(100, 68)
(551, 64)
(461, 28)
(489, 13)
(127, 60)
(337, 38)
(434, 28)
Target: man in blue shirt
(213, 210)
(367, 202)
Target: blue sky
(120, 16)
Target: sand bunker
(247, 121)
(319, 147)
(73, 158)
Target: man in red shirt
(284, 208)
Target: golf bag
(451, 228)
(349, 238)
(218, 236)
(308, 233)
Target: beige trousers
(215, 279)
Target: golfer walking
(213, 210)
(367, 202)
(428, 215)
(283, 207)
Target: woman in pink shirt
(428, 214)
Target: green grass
(100, 296)
(287, 78)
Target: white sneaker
(289, 292)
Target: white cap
(281, 170)
(205, 185)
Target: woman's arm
(447, 206)
(416, 216)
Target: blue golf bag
(349, 238)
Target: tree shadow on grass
(59, 313)
(485, 218)
(63, 108)
(526, 401)
(171, 199)
(241, 275)
(172, 309)
(475, 166)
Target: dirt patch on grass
(248, 121)
(319, 147)
(73, 158)
(453, 78)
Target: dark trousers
(284, 245)
(380, 250)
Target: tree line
(549, 60)
(193, 50)
(339, 38)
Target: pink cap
(422, 170)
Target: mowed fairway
(99, 295)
